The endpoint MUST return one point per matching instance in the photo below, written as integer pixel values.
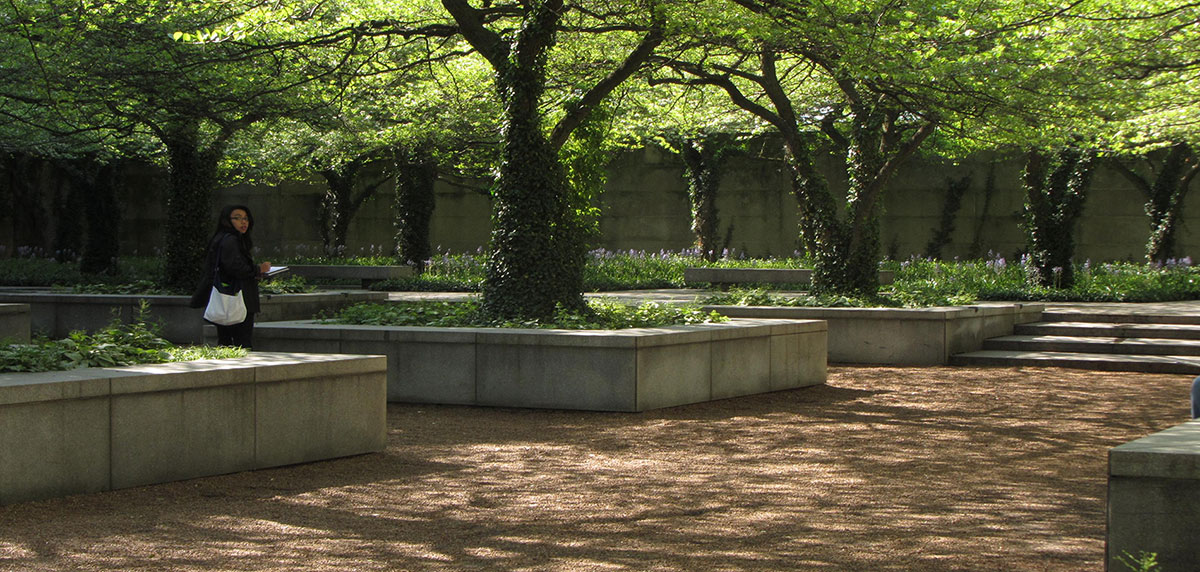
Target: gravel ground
(881, 469)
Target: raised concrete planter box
(919, 336)
(56, 315)
(761, 276)
(1154, 498)
(99, 429)
(15, 323)
(606, 370)
(367, 274)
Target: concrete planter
(1154, 498)
(607, 370)
(98, 429)
(56, 315)
(760, 276)
(918, 336)
(14, 323)
(366, 274)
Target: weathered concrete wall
(99, 429)
(645, 207)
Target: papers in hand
(276, 271)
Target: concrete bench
(367, 274)
(15, 323)
(98, 429)
(1154, 498)
(722, 276)
(634, 369)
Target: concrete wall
(15, 324)
(1154, 498)
(895, 336)
(645, 207)
(57, 315)
(606, 370)
(99, 429)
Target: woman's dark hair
(225, 225)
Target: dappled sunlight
(880, 469)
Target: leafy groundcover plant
(602, 315)
(116, 345)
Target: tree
(189, 75)
(1055, 190)
(537, 258)
(704, 156)
(1164, 184)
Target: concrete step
(1080, 360)
(1119, 317)
(1098, 345)
(1110, 330)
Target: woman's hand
(264, 268)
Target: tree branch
(578, 112)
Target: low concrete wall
(1154, 498)
(57, 314)
(606, 370)
(99, 429)
(15, 323)
(918, 336)
(367, 274)
(761, 276)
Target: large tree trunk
(95, 184)
(1165, 204)
(335, 209)
(193, 176)
(703, 159)
(537, 258)
(416, 174)
(1055, 190)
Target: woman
(229, 251)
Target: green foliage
(285, 285)
(599, 315)
(143, 271)
(117, 345)
(998, 279)
(895, 299)
(1143, 562)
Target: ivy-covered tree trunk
(703, 159)
(845, 240)
(820, 232)
(340, 203)
(333, 214)
(950, 207)
(1055, 189)
(537, 252)
(68, 215)
(416, 174)
(102, 214)
(96, 185)
(1165, 204)
(192, 177)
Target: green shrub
(117, 345)
(603, 315)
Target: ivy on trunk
(1055, 189)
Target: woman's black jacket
(236, 267)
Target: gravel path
(881, 469)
